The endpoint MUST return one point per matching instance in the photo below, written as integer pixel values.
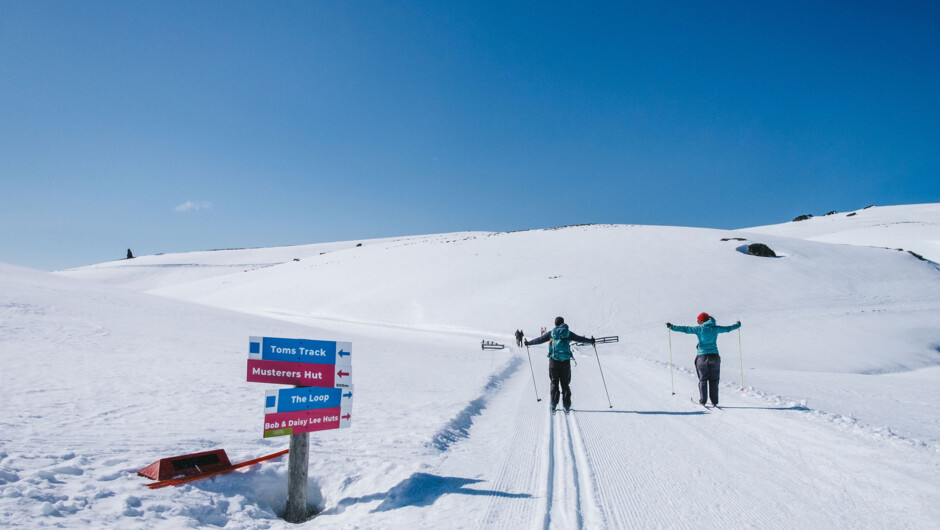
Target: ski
(704, 406)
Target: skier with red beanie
(707, 360)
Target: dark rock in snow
(803, 217)
(851, 214)
(760, 249)
(733, 239)
(916, 255)
(832, 212)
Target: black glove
(526, 342)
(668, 325)
(739, 322)
(592, 341)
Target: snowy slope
(839, 342)
(148, 272)
(915, 228)
(815, 317)
(100, 383)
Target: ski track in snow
(546, 455)
(565, 504)
(664, 462)
(570, 500)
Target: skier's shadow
(642, 412)
(422, 489)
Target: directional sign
(300, 350)
(300, 374)
(299, 362)
(300, 410)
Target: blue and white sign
(301, 351)
(305, 398)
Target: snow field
(749, 464)
(837, 427)
(657, 460)
(104, 382)
(913, 227)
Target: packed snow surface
(835, 423)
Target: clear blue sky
(175, 126)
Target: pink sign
(288, 373)
(301, 421)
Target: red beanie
(703, 317)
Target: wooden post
(297, 478)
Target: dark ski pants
(560, 374)
(708, 368)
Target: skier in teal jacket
(559, 360)
(707, 360)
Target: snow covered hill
(840, 349)
(915, 228)
(817, 314)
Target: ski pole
(537, 398)
(672, 378)
(598, 357)
(741, 353)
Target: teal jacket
(561, 337)
(707, 335)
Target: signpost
(322, 399)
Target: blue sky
(177, 126)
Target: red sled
(186, 465)
(198, 465)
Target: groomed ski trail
(570, 502)
(520, 461)
(590, 512)
(544, 454)
(657, 461)
(662, 462)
